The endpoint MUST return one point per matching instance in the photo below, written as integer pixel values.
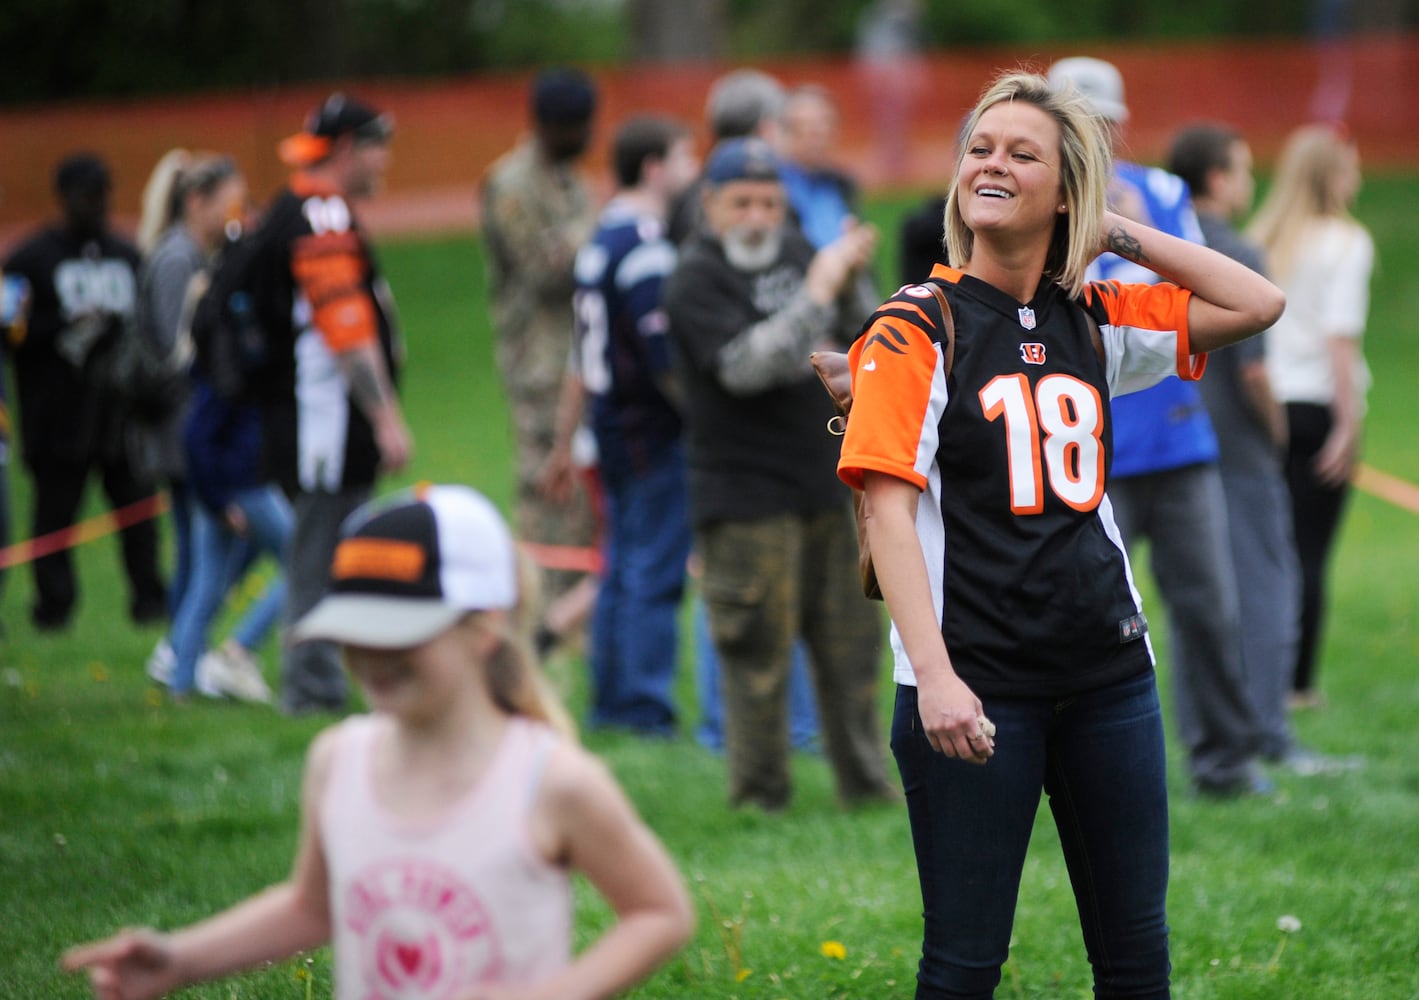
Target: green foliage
(60, 49)
(1015, 21)
(119, 808)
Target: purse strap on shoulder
(948, 327)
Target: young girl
(995, 544)
(438, 831)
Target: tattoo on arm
(367, 388)
(1121, 243)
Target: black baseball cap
(339, 115)
(563, 97)
(410, 566)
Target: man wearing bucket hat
(748, 301)
(332, 418)
(1166, 486)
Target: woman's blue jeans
(1100, 758)
(219, 559)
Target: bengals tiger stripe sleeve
(1143, 325)
(899, 392)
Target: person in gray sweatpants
(1166, 487)
(1216, 163)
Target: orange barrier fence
(450, 130)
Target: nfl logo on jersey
(1027, 317)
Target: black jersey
(327, 297)
(82, 296)
(1028, 571)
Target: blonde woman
(1323, 259)
(1022, 658)
(220, 518)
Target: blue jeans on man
(1100, 758)
(634, 628)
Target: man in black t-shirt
(81, 285)
(748, 301)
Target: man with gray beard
(748, 301)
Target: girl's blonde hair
(176, 175)
(516, 681)
(1302, 192)
(1084, 165)
(160, 207)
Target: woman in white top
(1322, 257)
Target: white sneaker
(161, 663)
(203, 682)
(233, 671)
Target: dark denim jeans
(1100, 758)
(634, 629)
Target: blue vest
(1165, 427)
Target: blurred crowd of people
(654, 355)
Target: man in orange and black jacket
(332, 419)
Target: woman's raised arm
(1230, 301)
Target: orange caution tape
(84, 531)
(566, 557)
(1388, 488)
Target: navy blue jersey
(1165, 426)
(621, 349)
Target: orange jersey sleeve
(330, 269)
(1160, 307)
(899, 393)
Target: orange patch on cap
(303, 149)
(378, 559)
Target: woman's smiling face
(1009, 176)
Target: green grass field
(119, 808)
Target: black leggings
(1315, 513)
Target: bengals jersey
(1028, 572)
(327, 296)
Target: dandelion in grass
(833, 949)
(1287, 925)
(98, 672)
(305, 975)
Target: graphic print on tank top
(424, 934)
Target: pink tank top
(423, 911)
